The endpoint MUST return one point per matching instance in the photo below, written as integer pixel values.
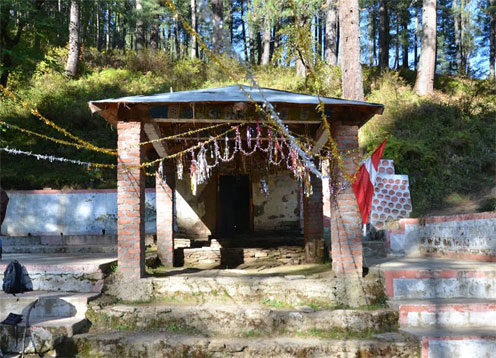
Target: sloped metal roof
(235, 94)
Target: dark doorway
(234, 204)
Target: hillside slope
(445, 143)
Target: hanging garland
(52, 158)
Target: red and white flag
(363, 187)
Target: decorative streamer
(52, 158)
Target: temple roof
(235, 94)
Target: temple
(238, 162)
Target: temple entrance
(234, 205)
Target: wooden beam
(152, 131)
(320, 139)
(208, 121)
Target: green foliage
(445, 144)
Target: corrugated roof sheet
(235, 94)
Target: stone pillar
(130, 200)
(313, 222)
(164, 191)
(346, 236)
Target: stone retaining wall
(231, 257)
(469, 236)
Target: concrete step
(430, 278)
(49, 305)
(236, 320)
(43, 337)
(157, 344)
(477, 342)
(63, 272)
(446, 313)
(60, 249)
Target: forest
(431, 63)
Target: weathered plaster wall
(280, 210)
(195, 214)
(45, 212)
(471, 236)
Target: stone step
(233, 257)
(60, 249)
(446, 313)
(63, 272)
(157, 344)
(44, 336)
(235, 320)
(457, 343)
(238, 286)
(49, 304)
(374, 248)
(429, 278)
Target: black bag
(12, 278)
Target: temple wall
(280, 210)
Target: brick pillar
(346, 237)
(130, 200)
(164, 191)
(313, 222)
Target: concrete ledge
(470, 236)
(461, 313)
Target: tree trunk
(351, 70)
(243, 29)
(177, 44)
(155, 35)
(140, 31)
(229, 20)
(267, 37)
(456, 21)
(424, 83)
(194, 26)
(492, 39)
(251, 43)
(371, 33)
(107, 34)
(73, 58)
(320, 47)
(331, 33)
(383, 35)
(259, 47)
(397, 46)
(217, 17)
(415, 39)
(98, 39)
(404, 37)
